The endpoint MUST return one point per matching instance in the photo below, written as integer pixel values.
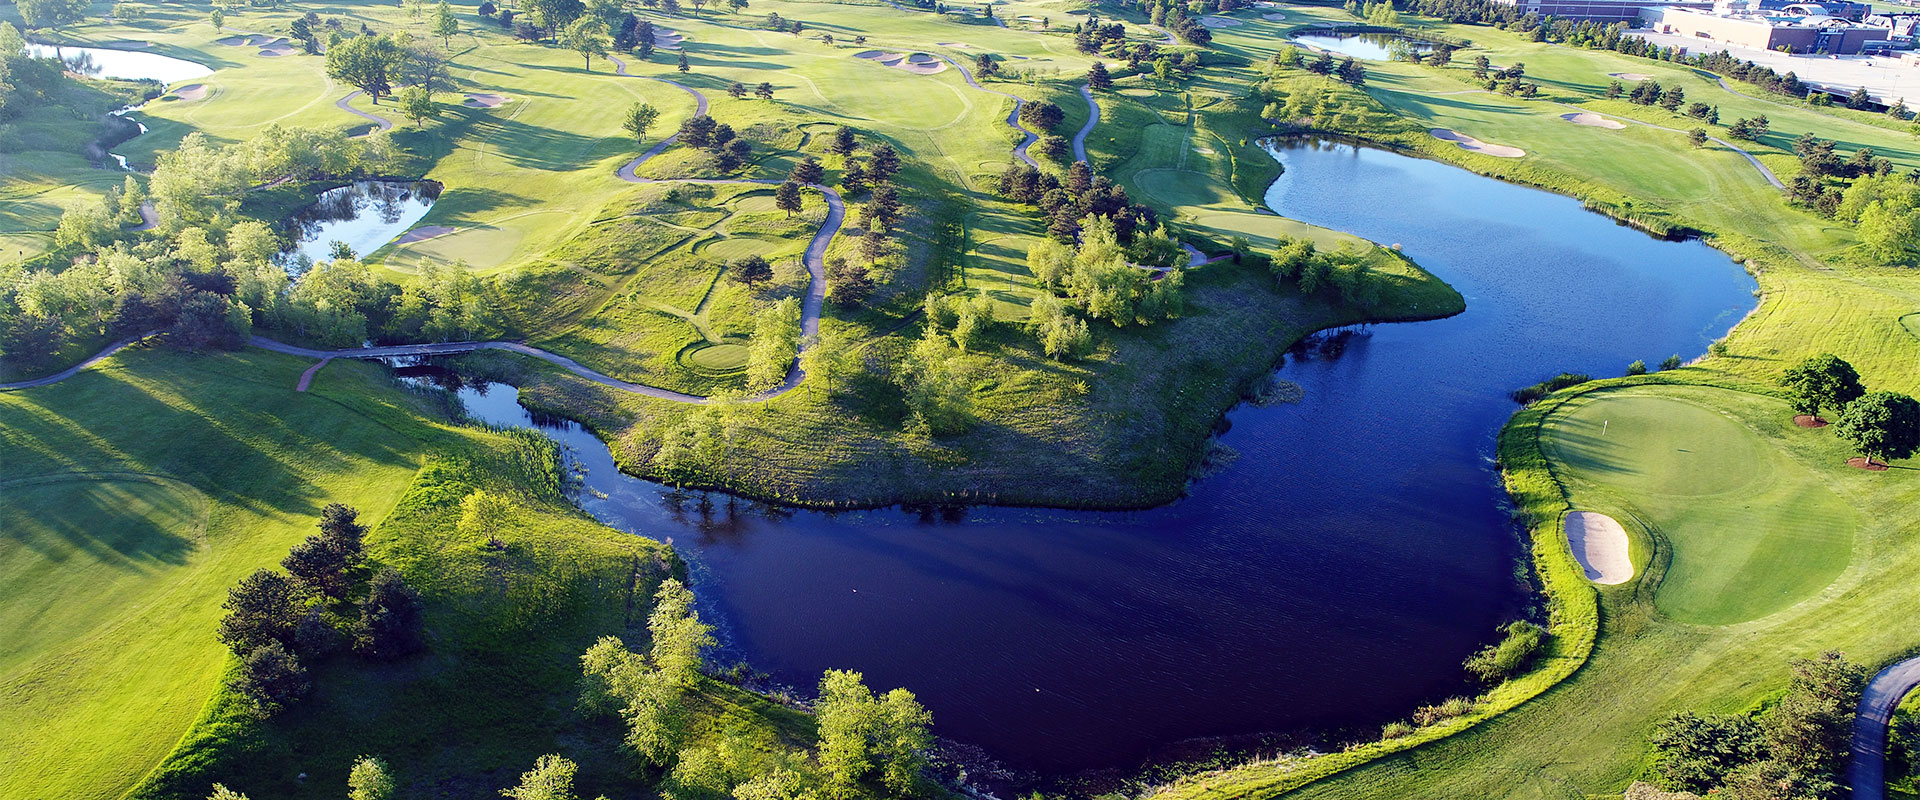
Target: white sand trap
(916, 63)
(196, 91)
(1630, 76)
(248, 40)
(961, 45)
(484, 100)
(666, 39)
(1593, 120)
(1220, 22)
(1469, 143)
(1025, 18)
(1273, 17)
(1600, 544)
(275, 51)
(422, 234)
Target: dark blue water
(1335, 575)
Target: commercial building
(1765, 30)
(1601, 11)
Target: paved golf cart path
(1868, 775)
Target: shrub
(272, 678)
(1451, 708)
(1512, 656)
(1549, 386)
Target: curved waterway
(1335, 575)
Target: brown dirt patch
(1871, 466)
(1809, 421)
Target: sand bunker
(422, 234)
(1630, 76)
(272, 48)
(916, 63)
(247, 40)
(1600, 545)
(1274, 17)
(1220, 22)
(666, 39)
(483, 100)
(192, 92)
(1469, 143)
(1593, 120)
(961, 45)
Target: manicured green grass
(205, 468)
(1751, 531)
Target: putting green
(733, 247)
(714, 358)
(85, 563)
(1752, 531)
(1180, 188)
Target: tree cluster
(1794, 751)
(729, 152)
(1082, 194)
(649, 691)
(1342, 272)
(276, 622)
(1879, 424)
(1137, 284)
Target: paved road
(75, 369)
(343, 104)
(1013, 119)
(1868, 775)
(1093, 118)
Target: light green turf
(112, 586)
(1751, 531)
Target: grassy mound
(1751, 530)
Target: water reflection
(363, 216)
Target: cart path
(1868, 775)
(1093, 118)
(344, 104)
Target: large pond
(1370, 46)
(1335, 575)
(363, 216)
(126, 65)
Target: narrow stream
(1335, 576)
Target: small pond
(364, 215)
(1334, 575)
(1369, 46)
(126, 65)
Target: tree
(640, 119)
(219, 19)
(902, 741)
(370, 780)
(808, 171)
(1821, 381)
(1809, 729)
(550, 779)
(787, 197)
(751, 270)
(1697, 753)
(683, 66)
(848, 283)
(51, 13)
(846, 717)
(764, 91)
(843, 142)
(1097, 77)
(678, 634)
(1697, 138)
(737, 90)
(262, 609)
(776, 340)
(1638, 367)
(1671, 362)
(319, 566)
(367, 63)
(272, 678)
(698, 5)
(444, 25)
(1163, 68)
(390, 620)
(1881, 425)
(985, 66)
(417, 104)
(587, 36)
